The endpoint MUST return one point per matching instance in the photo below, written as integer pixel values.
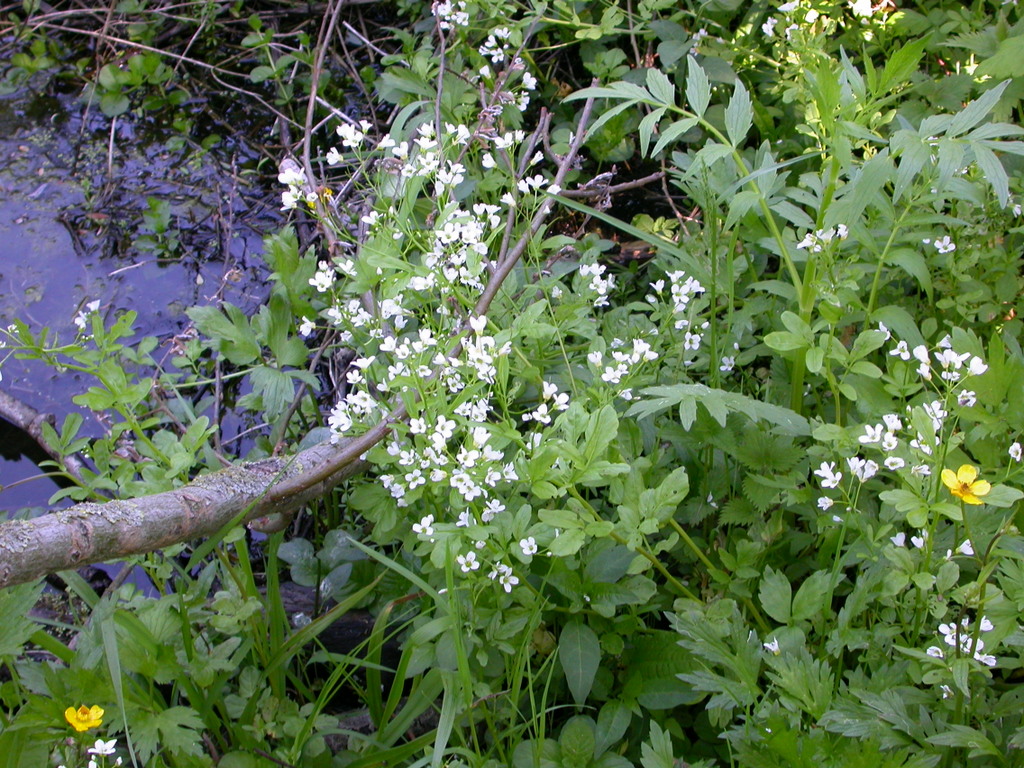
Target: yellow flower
(84, 718)
(965, 484)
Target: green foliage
(716, 506)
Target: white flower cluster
(816, 241)
(496, 45)
(600, 282)
(82, 318)
(792, 12)
(352, 137)
(451, 14)
(683, 289)
(473, 471)
(354, 407)
(299, 188)
(458, 248)
(625, 363)
(504, 576)
(542, 413)
(951, 363)
(960, 636)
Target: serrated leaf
(673, 132)
(657, 751)
(739, 115)
(993, 172)
(900, 65)
(976, 111)
(16, 628)
(738, 511)
(579, 654)
(660, 87)
(698, 89)
(647, 126)
(759, 492)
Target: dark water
(74, 188)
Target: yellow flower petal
(967, 474)
(949, 479)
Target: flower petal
(949, 479)
(967, 474)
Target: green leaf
(176, 729)
(776, 595)
(673, 132)
(993, 172)
(232, 334)
(964, 736)
(1003, 496)
(579, 653)
(814, 597)
(276, 387)
(698, 89)
(612, 722)
(783, 341)
(660, 87)
(16, 628)
(739, 115)
(658, 399)
(647, 126)
(577, 742)
(976, 111)
(900, 65)
(657, 751)
(1007, 61)
(914, 264)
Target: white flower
(82, 318)
(977, 366)
(872, 434)
(769, 27)
(900, 539)
(861, 8)
(468, 562)
(103, 747)
(1015, 452)
(528, 545)
(945, 245)
(425, 526)
(824, 503)
(863, 470)
(829, 477)
(918, 541)
(967, 398)
(892, 421)
(893, 463)
(901, 350)
(772, 646)
(306, 327)
(968, 549)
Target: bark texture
(93, 533)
